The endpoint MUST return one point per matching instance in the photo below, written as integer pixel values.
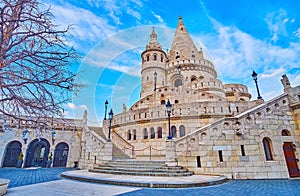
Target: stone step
(134, 162)
(141, 167)
(172, 174)
(164, 170)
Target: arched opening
(267, 143)
(162, 102)
(193, 78)
(174, 131)
(176, 101)
(152, 132)
(128, 135)
(178, 82)
(12, 152)
(148, 58)
(285, 132)
(145, 133)
(181, 131)
(61, 155)
(37, 153)
(134, 134)
(159, 132)
(155, 57)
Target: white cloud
(72, 106)
(83, 107)
(158, 17)
(277, 24)
(297, 33)
(273, 73)
(87, 27)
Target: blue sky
(239, 37)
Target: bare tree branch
(35, 75)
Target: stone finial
(124, 108)
(85, 117)
(285, 81)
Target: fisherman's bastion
(185, 117)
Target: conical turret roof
(183, 47)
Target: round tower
(153, 66)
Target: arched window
(128, 135)
(285, 132)
(193, 78)
(178, 82)
(161, 58)
(145, 133)
(134, 134)
(181, 131)
(159, 132)
(148, 58)
(267, 147)
(162, 102)
(176, 101)
(173, 130)
(155, 57)
(152, 136)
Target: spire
(153, 41)
(153, 36)
(183, 46)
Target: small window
(162, 58)
(152, 136)
(155, 57)
(220, 155)
(267, 147)
(285, 133)
(162, 102)
(134, 134)
(182, 130)
(174, 131)
(176, 101)
(243, 150)
(145, 133)
(128, 135)
(148, 58)
(159, 132)
(198, 161)
(178, 82)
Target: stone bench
(3, 186)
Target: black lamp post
(53, 134)
(24, 135)
(110, 117)
(155, 78)
(179, 69)
(106, 103)
(254, 76)
(169, 109)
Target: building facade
(212, 128)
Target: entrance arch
(290, 159)
(37, 153)
(12, 152)
(61, 155)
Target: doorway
(290, 159)
(13, 150)
(37, 153)
(61, 155)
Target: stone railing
(122, 144)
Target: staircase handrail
(122, 144)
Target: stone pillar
(108, 148)
(171, 153)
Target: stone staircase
(140, 168)
(116, 152)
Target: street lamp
(179, 69)
(106, 103)
(53, 134)
(155, 78)
(169, 109)
(254, 76)
(110, 117)
(24, 135)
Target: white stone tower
(153, 66)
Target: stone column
(171, 153)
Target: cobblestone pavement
(21, 177)
(235, 187)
